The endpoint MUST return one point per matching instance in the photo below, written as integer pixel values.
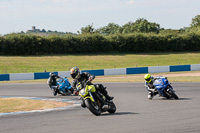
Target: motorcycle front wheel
(93, 107)
(171, 92)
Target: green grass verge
(23, 64)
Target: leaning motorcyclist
(52, 82)
(85, 79)
(149, 80)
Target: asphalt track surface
(135, 113)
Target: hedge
(22, 44)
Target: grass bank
(23, 64)
(15, 105)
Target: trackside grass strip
(29, 64)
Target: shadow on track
(163, 98)
(184, 99)
(119, 113)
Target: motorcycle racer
(52, 82)
(149, 80)
(85, 79)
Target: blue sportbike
(164, 88)
(64, 86)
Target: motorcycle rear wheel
(112, 108)
(93, 107)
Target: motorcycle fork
(92, 97)
(98, 103)
(167, 91)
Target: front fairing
(64, 85)
(85, 91)
(161, 84)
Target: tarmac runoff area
(72, 103)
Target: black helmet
(52, 74)
(75, 72)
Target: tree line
(139, 36)
(141, 25)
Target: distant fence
(103, 72)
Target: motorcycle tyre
(173, 94)
(113, 108)
(89, 105)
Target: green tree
(128, 28)
(142, 26)
(195, 25)
(111, 28)
(87, 29)
(196, 21)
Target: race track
(135, 113)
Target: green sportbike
(94, 100)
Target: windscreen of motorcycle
(158, 82)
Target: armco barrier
(4, 77)
(102, 72)
(137, 70)
(180, 68)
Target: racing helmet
(51, 74)
(75, 72)
(148, 78)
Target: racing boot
(150, 95)
(105, 93)
(108, 97)
(54, 89)
(55, 93)
(101, 88)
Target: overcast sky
(72, 15)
